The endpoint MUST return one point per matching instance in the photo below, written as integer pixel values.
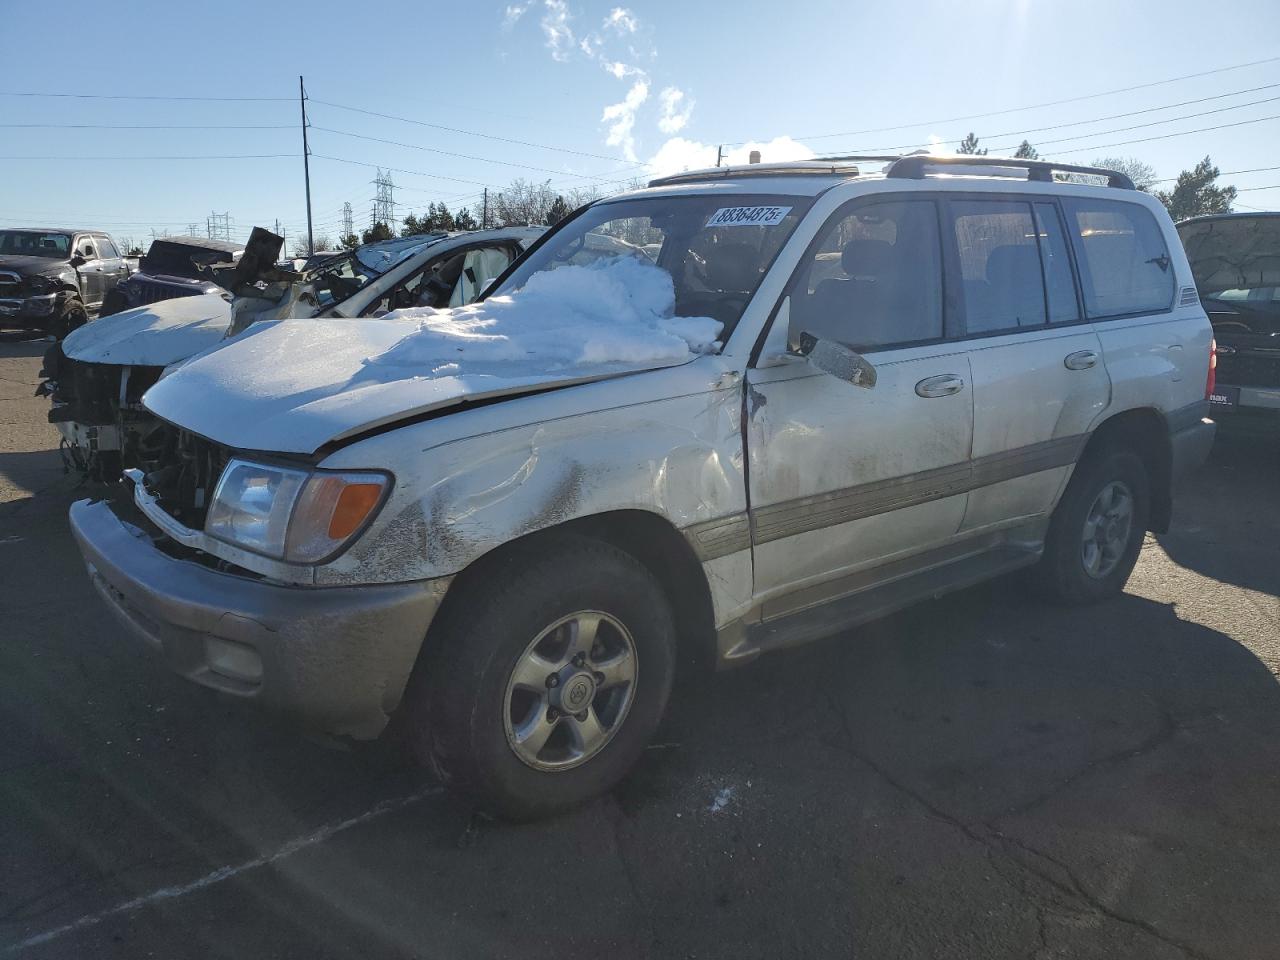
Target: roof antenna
(753, 157)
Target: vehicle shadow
(1227, 514)
(974, 777)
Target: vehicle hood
(156, 335)
(247, 395)
(1236, 253)
(29, 266)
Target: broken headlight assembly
(291, 514)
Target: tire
(114, 302)
(467, 710)
(1072, 572)
(73, 315)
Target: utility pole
(306, 163)
(218, 226)
(719, 154)
(348, 228)
(193, 229)
(484, 216)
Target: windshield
(1236, 259)
(34, 243)
(715, 248)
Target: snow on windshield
(615, 310)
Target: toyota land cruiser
(793, 398)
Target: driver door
(92, 281)
(845, 478)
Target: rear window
(1124, 262)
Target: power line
(123, 96)
(1033, 106)
(1166, 136)
(234, 156)
(1224, 173)
(149, 126)
(1078, 123)
(472, 133)
(462, 156)
(374, 166)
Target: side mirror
(77, 260)
(837, 360)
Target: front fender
(680, 458)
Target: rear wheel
(545, 678)
(1097, 530)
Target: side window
(1063, 307)
(86, 249)
(1000, 276)
(1124, 262)
(873, 279)
(107, 249)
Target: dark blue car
(172, 268)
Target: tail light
(1211, 381)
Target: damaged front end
(97, 406)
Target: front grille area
(185, 476)
(152, 291)
(1249, 369)
(9, 284)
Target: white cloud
(621, 20)
(676, 108)
(590, 44)
(622, 70)
(679, 154)
(556, 29)
(514, 12)
(621, 118)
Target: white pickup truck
(812, 394)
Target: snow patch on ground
(615, 310)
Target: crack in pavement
(989, 837)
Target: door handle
(943, 385)
(1080, 360)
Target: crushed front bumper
(333, 658)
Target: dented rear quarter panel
(666, 441)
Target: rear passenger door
(1039, 381)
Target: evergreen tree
(1025, 151)
(465, 221)
(1194, 194)
(350, 242)
(970, 145)
(558, 210)
(379, 231)
(411, 226)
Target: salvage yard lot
(983, 776)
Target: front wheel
(1097, 529)
(72, 317)
(547, 675)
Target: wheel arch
(1145, 431)
(651, 539)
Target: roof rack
(914, 168)
(820, 166)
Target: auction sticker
(748, 216)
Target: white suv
(852, 386)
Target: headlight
(301, 516)
(39, 283)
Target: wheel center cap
(575, 693)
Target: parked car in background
(506, 524)
(1236, 261)
(96, 377)
(52, 280)
(172, 267)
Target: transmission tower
(348, 228)
(193, 229)
(384, 204)
(218, 226)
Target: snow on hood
(155, 335)
(291, 386)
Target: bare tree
(1142, 174)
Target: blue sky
(620, 90)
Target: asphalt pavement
(982, 776)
